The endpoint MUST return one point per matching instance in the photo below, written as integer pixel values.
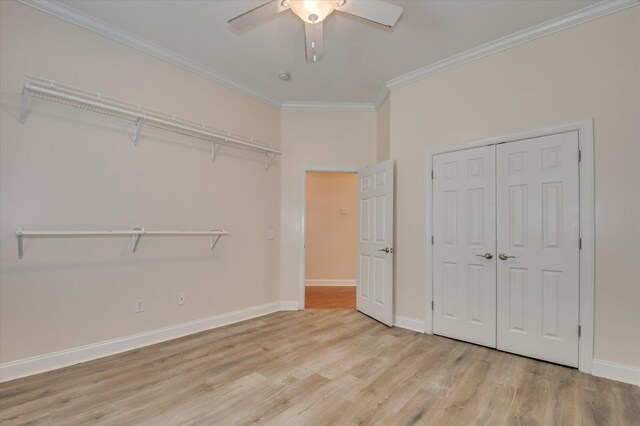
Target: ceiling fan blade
(314, 40)
(257, 15)
(376, 11)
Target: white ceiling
(359, 56)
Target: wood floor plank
(316, 367)
(330, 297)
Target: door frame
(587, 223)
(302, 210)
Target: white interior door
(375, 249)
(538, 229)
(464, 262)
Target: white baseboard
(289, 305)
(39, 364)
(330, 283)
(614, 371)
(409, 323)
(606, 369)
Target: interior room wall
(383, 130)
(331, 228)
(590, 70)
(66, 169)
(315, 139)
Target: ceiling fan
(313, 12)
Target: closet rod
(136, 233)
(56, 92)
(99, 233)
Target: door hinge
(579, 155)
(431, 174)
(579, 331)
(579, 243)
(432, 240)
(432, 305)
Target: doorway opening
(331, 239)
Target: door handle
(387, 250)
(503, 256)
(487, 255)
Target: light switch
(271, 234)
(344, 211)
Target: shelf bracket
(20, 249)
(214, 241)
(25, 105)
(215, 147)
(268, 160)
(136, 137)
(136, 240)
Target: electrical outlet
(182, 298)
(139, 306)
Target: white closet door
(375, 248)
(538, 228)
(464, 280)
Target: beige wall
(76, 170)
(592, 70)
(383, 130)
(70, 169)
(331, 235)
(315, 139)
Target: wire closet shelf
(135, 233)
(64, 94)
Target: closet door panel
(464, 231)
(538, 237)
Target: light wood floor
(320, 366)
(330, 297)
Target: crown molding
(328, 106)
(549, 27)
(92, 24)
(382, 95)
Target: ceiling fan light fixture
(312, 11)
